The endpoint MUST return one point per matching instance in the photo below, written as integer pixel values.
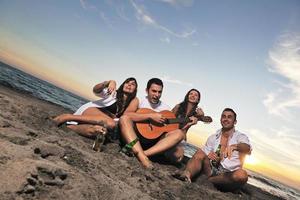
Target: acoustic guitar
(150, 129)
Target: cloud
(146, 19)
(186, 3)
(83, 4)
(170, 80)
(121, 13)
(166, 40)
(284, 60)
(88, 6)
(282, 142)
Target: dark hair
(156, 81)
(181, 112)
(121, 105)
(230, 110)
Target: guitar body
(151, 130)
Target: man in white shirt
(222, 157)
(140, 146)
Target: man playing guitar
(144, 147)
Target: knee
(180, 135)
(124, 119)
(240, 176)
(111, 124)
(199, 155)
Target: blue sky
(239, 54)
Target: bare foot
(60, 119)
(99, 129)
(146, 163)
(183, 176)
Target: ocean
(19, 80)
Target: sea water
(24, 82)
(19, 80)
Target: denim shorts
(215, 171)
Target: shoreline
(41, 161)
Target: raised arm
(111, 85)
(242, 146)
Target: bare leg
(89, 116)
(128, 133)
(170, 140)
(87, 130)
(231, 180)
(198, 162)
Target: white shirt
(160, 106)
(104, 101)
(237, 137)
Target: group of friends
(221, 159)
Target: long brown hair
(121, 104)
(181, 112)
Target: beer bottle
(215, 163)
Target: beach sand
(41, 161)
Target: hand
(111, 87)
(206, 119)
(212, 156)
(157, 117)
(228, 151)
(193, 121)
(199, 112)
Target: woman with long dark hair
(188, 109)
(90, 118)
(190, 114)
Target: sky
(239, 54)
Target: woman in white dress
(93, 117)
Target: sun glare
(250, 160)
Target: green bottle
(216, 163)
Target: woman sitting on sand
(188, 109)
(88, 120)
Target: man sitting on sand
(141, 146)
(222, 157)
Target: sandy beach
(41, 161)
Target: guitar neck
(180, 120)
(177, 121)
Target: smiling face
(129, 87)
(227, 120)
(193, 97)
(154, 93)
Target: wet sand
(41, 161)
